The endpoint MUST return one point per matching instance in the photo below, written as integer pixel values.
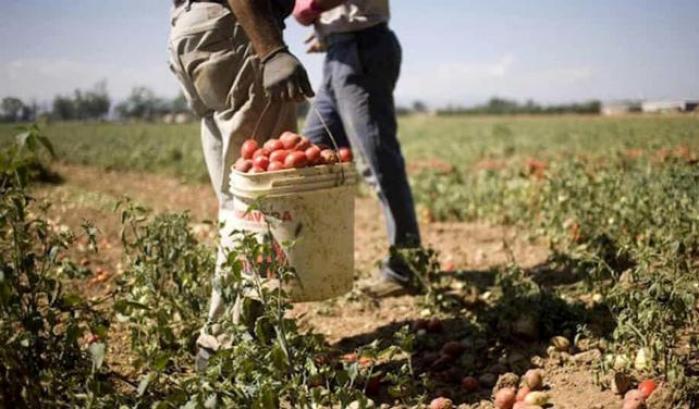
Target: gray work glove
(284, 78)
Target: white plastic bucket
(312, 208)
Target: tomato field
(560, 264)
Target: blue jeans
(356, 101)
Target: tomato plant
(44, 323)
(628, 227)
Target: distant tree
(419, 107)
(179, 104)
(63, 108)
(94, 103)
(142, 104)
(531, 107)
(502, 106)
(91, 104)
(30, 112)
(402, 110)
(12, 109)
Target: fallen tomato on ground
(441, 403)
(505, 398)
(470, 384)
(647, 387)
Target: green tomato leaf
(161, 361)
(47, 145)
(279, 358)
(71, 300)
(22, 138)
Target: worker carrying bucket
(232, 63)
(240, 78)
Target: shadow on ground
(504, 332)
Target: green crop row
(463, 141)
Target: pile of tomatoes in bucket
(289, 151)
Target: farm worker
(233, 66)
(355, 99)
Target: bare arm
(256, 18)
(283, 76)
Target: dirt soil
(473, 249)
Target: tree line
(94, 104)
(502, 106)
(143, 104)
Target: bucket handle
(330, 134)
(259, 119)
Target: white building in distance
(657, 107)
(649, 107)
(620, 107)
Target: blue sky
(455, 51)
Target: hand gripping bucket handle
(322, 122)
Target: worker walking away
(355, 100)
(233, 67)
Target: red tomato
(249, 147)
(261, 162)
(365, 362)
(278, 156)
(295, 160)
(260, 152)
(522, 393)
(328, 156)
(345, 154)
(313, 154)
(243, 165)
(435, 325)
(92, 338)
(257, 169)
(505, 398)
(276, 165)
(647, 387)
(441, 403)
(303, 144)
(289, 140)
(350, 357)
(373, 386)
(419, 324)
(273, 145)
(470, 384)
(453, 349)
